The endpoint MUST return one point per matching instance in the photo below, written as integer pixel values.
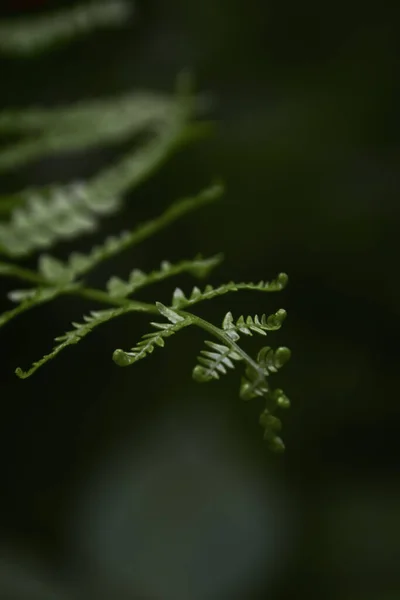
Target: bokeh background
(140, 484)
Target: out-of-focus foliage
(67, 213)
(31, 36)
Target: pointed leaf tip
(168, 313)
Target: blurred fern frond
(31, 36)
(34, 220)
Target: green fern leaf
(271, 360)
(214, 363)
(198, 267)
(108, 119)
(27, 37)
(150, 340)
(80, 331)
(67, 212)
(85, 126)
(253, 324)
(179, 300)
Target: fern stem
(12, 270)
(105, 298)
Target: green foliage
(37, 219)
(150, 340)
(58, 276)
(250, 324)
(179, 300)
(213, 364)
(27, 37)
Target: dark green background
(306, 104)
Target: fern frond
(60, 213)
(253, 324)
(214, 363)
(103, 190)
(179, 300)
(111, 118)
(80, 331)
(254, 382)
(85, 125)
(198, 267)
(146, 346)
(28, 37)
(254, 386)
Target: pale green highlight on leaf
(27, 37)
(81, 127)
(61, 214)
(92, 122)
(215, 362)
(250, 325)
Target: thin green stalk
(105, 298)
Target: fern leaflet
(179, 300)
(215, 362)
(250, 324)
